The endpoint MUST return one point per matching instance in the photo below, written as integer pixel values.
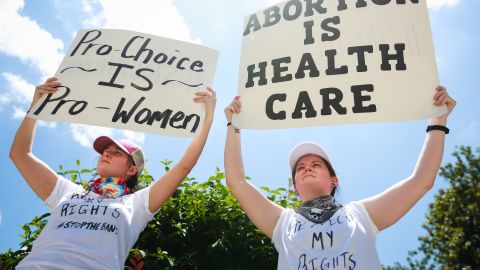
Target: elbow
(185, 170)
(229, 181)
(13, 155)
(424, 188)
(231, 184)
(234, 179)
(17, 156)
(426, 183)
(429, 184)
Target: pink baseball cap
(135, 151)
(306, 148)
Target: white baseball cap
(306, 148)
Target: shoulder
(357, 210)
(63, 189)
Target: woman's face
(114, 162)
(312, 178)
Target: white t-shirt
(346, 241)
(86, 231)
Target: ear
(132, 171)
(335, 181)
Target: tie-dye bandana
(110, 187)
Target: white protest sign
(130, 80)
(307, 63)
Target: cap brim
(103, 142)
(306, 148)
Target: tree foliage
(452, 239)
(201, 227)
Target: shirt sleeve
(279, 227)
(63, 187)
(359, 210)
(142, 214)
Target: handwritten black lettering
(147, 116)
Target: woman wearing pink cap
(95, 228)
(322, 234)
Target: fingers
(49, 87)
(51, 79)
(204, 96)
(235, 106)
(441, 97)
(212, 92)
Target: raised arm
(161, 191)
(389, 206)
(39, 176)
(261, 211)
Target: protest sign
(130, 80)
(307, 63)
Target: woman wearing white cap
(322, 234)
(95, 228)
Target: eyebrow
(315, 161)
(115, 147)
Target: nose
(307, 169)
(106, 153)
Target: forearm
(430, 157)
(164, 188)
(23, 141)
(194, 150)
(233, 157)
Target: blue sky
(368, 158)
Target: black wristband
(438, 127)
(237, 130)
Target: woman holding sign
(95, 228)
(321, 233)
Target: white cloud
(0, 218)
(18, 93)
(86, 6)
(18, 113)
(133, 136)
(19, 90)
(19, 32)
(85, 135)
(433, 4)
(47, 124)
(437, 4)
(149, 16)
(23, 38)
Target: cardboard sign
(307, 63)
(130, 80)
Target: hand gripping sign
(309, 63)
(130, 80)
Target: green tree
(201, 227)
(452, 239)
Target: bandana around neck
(320, 209)
(110, 187)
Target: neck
(319, 201)
(310, 197)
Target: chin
(101, 171)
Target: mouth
(308, 175)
